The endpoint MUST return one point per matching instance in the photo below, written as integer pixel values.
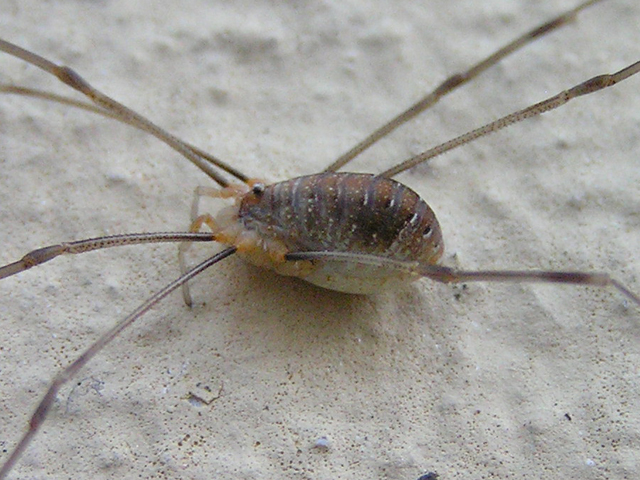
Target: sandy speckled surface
(491, 381)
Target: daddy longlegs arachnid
(263, 417)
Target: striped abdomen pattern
(344, 212)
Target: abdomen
(343, 212)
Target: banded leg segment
(42, 410)
(198, 221)
(195, 227)
(89, 107)
(450, 275)
(595, 84)
(71, 78)
(457, 80)
(42, 255)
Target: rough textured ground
(489, 381)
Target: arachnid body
(394, 381)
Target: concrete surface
(488, 381)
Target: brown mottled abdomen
(340, 212)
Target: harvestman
(349, 232)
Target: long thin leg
(118, 111)
(450, 275)
(42, 255)
(457, 80)
(41, 412)
(89, 107)
(592, 85)
(196, 225)
(197, 221)
(71, 78)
